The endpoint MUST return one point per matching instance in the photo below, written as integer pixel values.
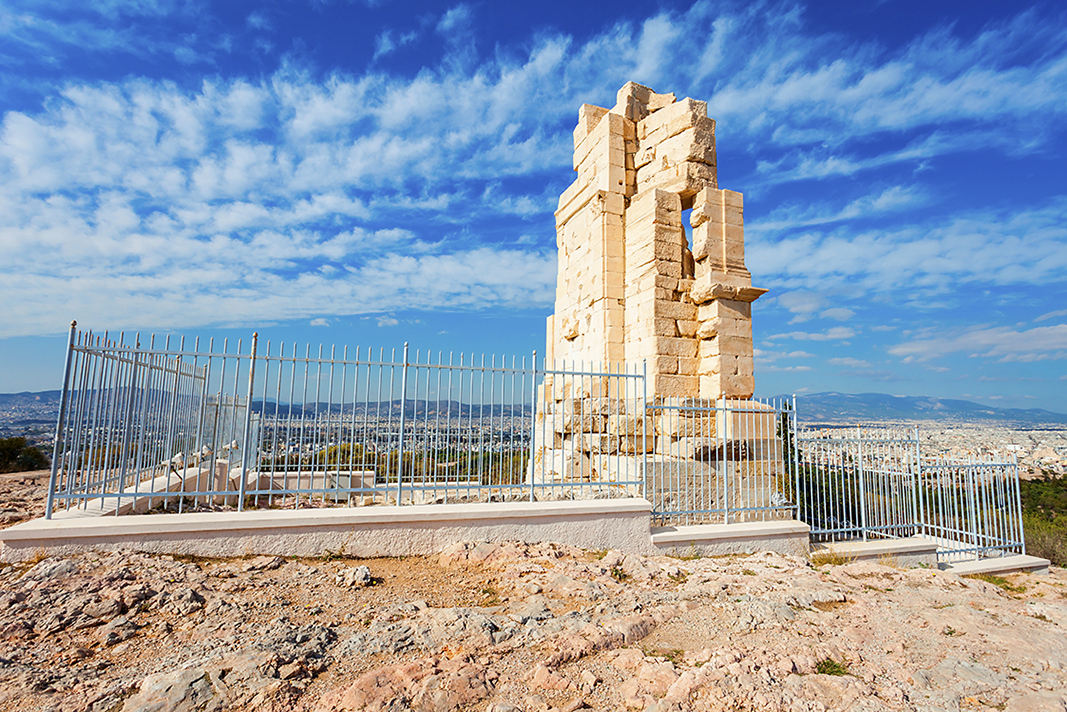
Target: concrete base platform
(357, 531)
(1000, 565)
(783, 536)
(907, 553)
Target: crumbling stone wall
(631, 285)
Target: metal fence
(172, 426)
(864, 483)
(164, 427)
(858, 482)
(972, 507)
(721, 462)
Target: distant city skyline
(363, 174)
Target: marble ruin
(632, 285)
(638, 289)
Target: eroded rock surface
(516, 627)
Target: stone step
(906, 552)
(785, 536)
(1000, 565)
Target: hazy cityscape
(1039, 448)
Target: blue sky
(374, 172)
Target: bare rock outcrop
(510, 626)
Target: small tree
(17, 456)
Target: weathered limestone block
(674, 386)
(588, 118)
(578, 423)
(624, 469)
(688, 448)
(563, 465)
(600, 444)
(637, 443)
(629, 424)
(672, 120)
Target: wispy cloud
(299, 191)
(1002, 343)
(849, 361)
(834, 334)
(997, 246)
(1052, 315)
(793, 216)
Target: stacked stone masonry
(652, 278)
(633, 285)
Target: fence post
(533, 425)
(644, 429)
(245, 445)
(403, 405)
(722, 467)
(56, 449)
(795, 447)
(1018, 502)
(863, 483)
(919, 492)
(972, 504)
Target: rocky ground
(500, 628)
(22, 496)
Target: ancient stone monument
(632, 286)
(638, 290)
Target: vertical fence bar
(400, 446)
(245, 445)
(60, 422)
(794, 445)
(533, 427)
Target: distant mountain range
(27, 398)
(857, 407)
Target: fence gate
(857, 483)
(869, 483)
(719, 462)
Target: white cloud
(320, 322)
(837, 313)
(834, 334)
(387, 321)
(1052, 315)
(792, 216)
(258, 20)
(998, 246)
(770, 368)
(849, 361)
(801, 303)
(455, 19)
(385, 43)
(1003, 343)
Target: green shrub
(1046, 536)
(830, 666)
(17, 456)
(1045, 517)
